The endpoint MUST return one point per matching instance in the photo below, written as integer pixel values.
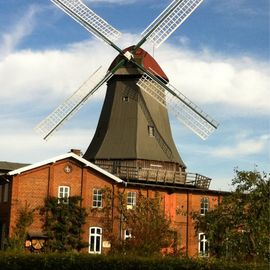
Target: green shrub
(68, 261)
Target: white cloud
(242, 84)
(37, 81)
(18, 32)
(184, 41)
(49, 74)
(27, 147)
(239, 7)
(243, 147)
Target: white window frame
(96, 235)
(204, 205)
(131, 199)
(63, 193)
(203, 245)
(97, 198)
(6, 192)
(151, 131)
(127, 234)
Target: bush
(68, 261)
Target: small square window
(125, 99)
(63, 193)
(127, 234)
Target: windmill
(134, 78)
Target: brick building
(69, 175)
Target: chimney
(76, 152)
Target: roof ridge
(64, 156)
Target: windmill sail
(169, 20)
(89, 19)
(183, 109)
(71, 105)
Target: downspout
(82, 185)
(187, 227)
(121, 214)
(49, 178)
(7, 221)
(113, 196)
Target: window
(97, 198)
(204, 205)
(151, 131)
(63, 193)
(95, 240)
(125, 98)
(131, 200)
(127, 234)
(203, 245)
(1, 191)
(6, 188)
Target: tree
(239, 227)
(146, 222)
(24, 220)
(149, 226)
(63, 223)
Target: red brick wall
(33, 186)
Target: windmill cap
(141, 57)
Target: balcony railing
(157, 175)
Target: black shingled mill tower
(133, 138)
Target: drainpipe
(121, 214)
(187, 227)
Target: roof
(10, 166)
(141, 57)
(66, 156)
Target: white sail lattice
(184, 110)
(169, 20)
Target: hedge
(68, 261)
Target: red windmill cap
(144, 59)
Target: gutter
(185, 188)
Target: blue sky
(219, 58)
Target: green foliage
(25, 219)
(149, 226)
(239, 227)
(71, 261)
(63, 223)
(106, 214)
